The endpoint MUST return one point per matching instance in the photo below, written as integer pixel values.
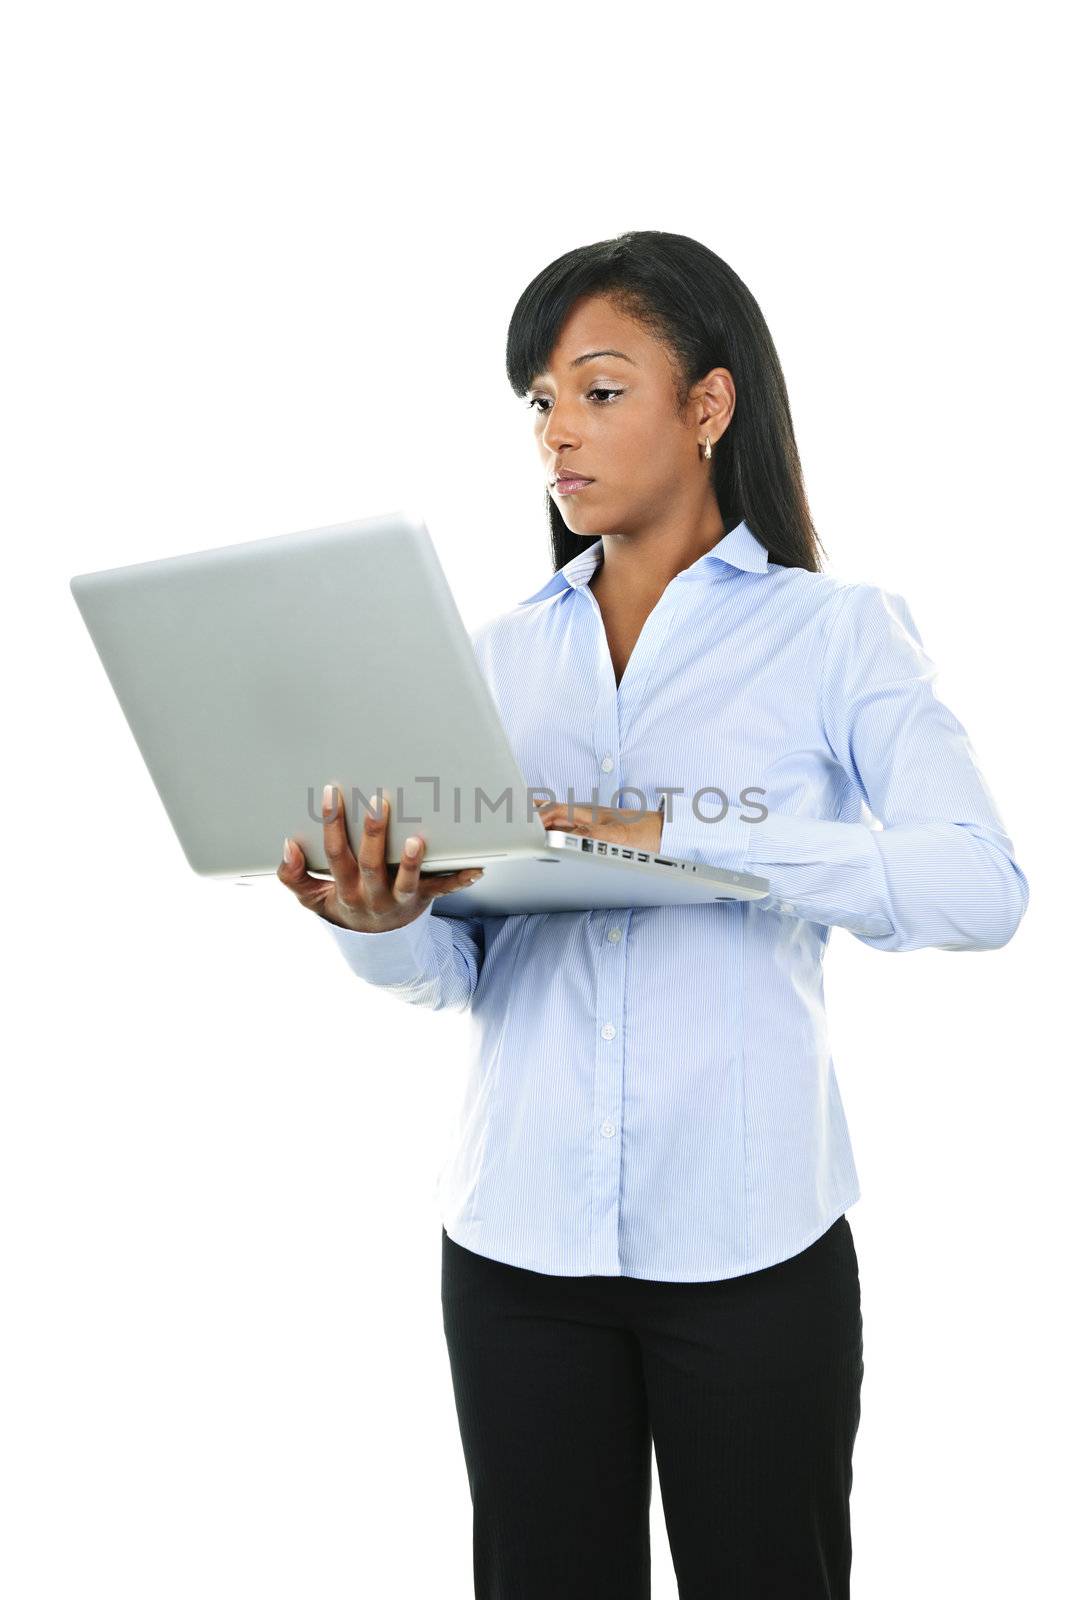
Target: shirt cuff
(822, 870)
(395, 955)
(694, 836)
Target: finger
(343, 867)
(294, 874)
(409, 882)
(430, 888)
(374, 885)
(565, 822)
(406, 882)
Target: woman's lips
(572, 485)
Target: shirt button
(607, 1031)
(787, 905)
(607, 1129)
(615, 934)
(607, 764)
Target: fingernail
(411, 847)
(287, 852)
(327, 798)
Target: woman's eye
(536, 401)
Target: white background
(259, 268)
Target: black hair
(686, 297)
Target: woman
(645, 1234)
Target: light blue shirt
(651, 1092)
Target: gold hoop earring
(707, 448)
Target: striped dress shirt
(651, 1092)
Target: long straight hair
(688, 298)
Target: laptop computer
(252, 674)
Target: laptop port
(602, 848)
(627, 855)
(587, 844)
(642, 858)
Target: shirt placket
(616, 707)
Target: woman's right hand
(364, 894)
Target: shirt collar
(739, 548)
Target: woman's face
(614, 419)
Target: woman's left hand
(642, 830)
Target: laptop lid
(252, 674)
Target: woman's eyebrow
(591, 355)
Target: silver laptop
(253, 674)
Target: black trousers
(749, 1387)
